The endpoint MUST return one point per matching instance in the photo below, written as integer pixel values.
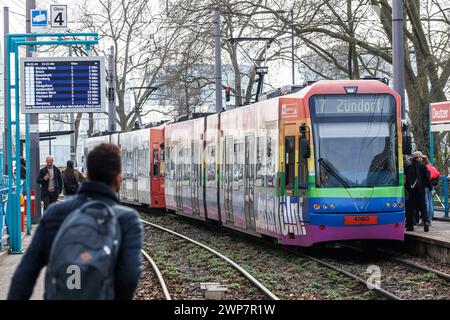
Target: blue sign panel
(39, 18)
(63, 85)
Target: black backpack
(70, 182)
(83, 254)
(414, 181)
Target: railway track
(158, 275)
(392, 256)
(369, 285)
(241, 270)
(359, 276)
(401, 277)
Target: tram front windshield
(355, 140)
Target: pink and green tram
(322, 164)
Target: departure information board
(63, 85)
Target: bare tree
(141, 43)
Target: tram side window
(238, 174)
(211, 172)
(155, 163)
(259, 161)
(289, 161)
(162, 167)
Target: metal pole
(33, 164)
(5, 85)
(111, 92)
(49, 130)
(218, 65)
(73, 151)
(293, 47)
(398, 52)
(431, 138)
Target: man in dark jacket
(51, 182)
(104, 180)
(417, 179)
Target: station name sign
(440, 112)
(440, 116)
(63, 85)
(356, 105)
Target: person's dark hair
(104, 163)
(70, 164)
(22, 161)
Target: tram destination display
(63, 85)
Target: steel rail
(407, 262)
(231, 262)
(351, 275)
(421, 267)
(158, 275)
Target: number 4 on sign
(59, 19)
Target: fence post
(446, 196)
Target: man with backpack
(90, 244)
(417, 179)
(72, 179)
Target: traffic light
(227, 94)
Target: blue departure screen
(62, 84)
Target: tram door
(179, 179)
(249, 181)
(228, 179)
(195, 178)
(291, 164)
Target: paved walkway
(8, 264)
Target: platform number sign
(58, 16)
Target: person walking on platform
(90, 245)
(417, 179)
(72, 179)
(434, 179)
(51, 182)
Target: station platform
(8, 265)
(435, 243)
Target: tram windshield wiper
(324, 163)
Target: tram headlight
(388, 204)
(332, 206)
(324, 206)
(316, 206)
(400, 204)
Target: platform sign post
(55, 94)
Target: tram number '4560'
(360, 220)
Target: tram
(318, 165)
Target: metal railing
(442, 194)
(6, 202)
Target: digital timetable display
(63, 85)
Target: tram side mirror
(305, 148)
(304, 142)
(407, 144)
